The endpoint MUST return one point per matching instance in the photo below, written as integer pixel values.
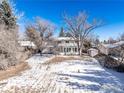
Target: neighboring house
(66, 46)
(111, 49)
(26, 44)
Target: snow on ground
(74, 76)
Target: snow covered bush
(8, 35)
(8, 47)
(109, 62)
(106, 61)
(120, 68)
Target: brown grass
(59, 59)
(14, 70)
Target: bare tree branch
(79, 28)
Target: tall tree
(6, 14)
(62, 33)
(40, 33)
(79, 28)
(67, 34)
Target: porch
(64, 50)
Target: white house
(26, 43)
(67, 46)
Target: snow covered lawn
(73, 76)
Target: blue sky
(111, 11)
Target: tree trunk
(80, 51)
(41, 52)
(78, 48)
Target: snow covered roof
(114, 45)
(64, 38)
(26, 43)
(68, 44)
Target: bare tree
(40, 33)
(34, 36)
(79, 27)
(93, 39)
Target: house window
(64, 49)
(75, 49)
(67, 41)
(69, 49)
(59, 41)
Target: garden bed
(59, 59)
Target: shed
(92, 52)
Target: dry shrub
(13, 70)
(3, 64)
(107, 61)
(110, 62)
